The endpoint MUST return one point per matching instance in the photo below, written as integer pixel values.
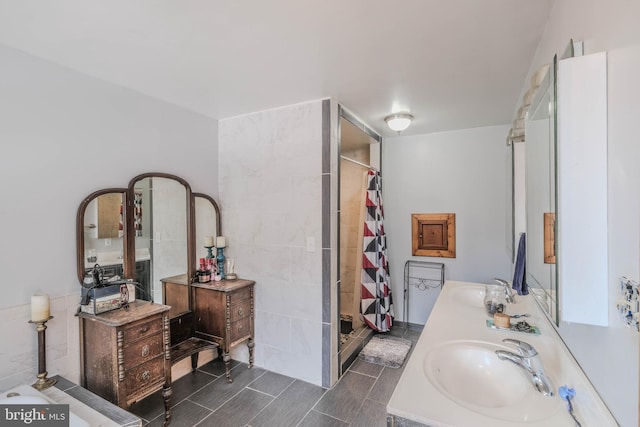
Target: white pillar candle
(39, 308)
(208, 241)
(221, 242)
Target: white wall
(459, 172)
(64, 135)
(609, 355)
(271, 203)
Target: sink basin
(472, 296)
(470, 371)
(470, 374)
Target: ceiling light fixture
(398, 121)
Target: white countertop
(114, 258)
(456, 318)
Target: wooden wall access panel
(549, 238)
(433, 235)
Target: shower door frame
(351, 118)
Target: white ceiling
(452, 63)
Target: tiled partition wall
(270, 172)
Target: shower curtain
(377, 304)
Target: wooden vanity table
(127, 355)
(222, 313)
(124, 354)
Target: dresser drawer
(144, 375)
(240, 294)
(142, 329)
(240, 310)
(240, 329)
(142, 350)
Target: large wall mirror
(540, 181)
(160, 212)
(153, 229)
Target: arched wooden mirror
(161, 229)
(207, 222)
(154, 229)
(101, 232)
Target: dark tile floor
(260, 398)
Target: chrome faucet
(508, 292)
(528, 360)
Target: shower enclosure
(359, 151)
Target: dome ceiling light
(398, 121)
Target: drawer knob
(146, 375)
(240, 311)
(145, 350)
(144, 330)
(240, 328)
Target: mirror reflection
(160, 224)
(207, 216)
(103, 234)
(540, 175)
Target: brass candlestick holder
(43, 382)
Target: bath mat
(386, 350)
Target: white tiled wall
(271, 198)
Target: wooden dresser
(224, 313)
(124, 354)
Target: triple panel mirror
(153, 229)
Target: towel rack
(422, 275)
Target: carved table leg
(194, 362)
(166, 395)
(226, 358)
(251, 344)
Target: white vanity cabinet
(582, 190)
(454, 377)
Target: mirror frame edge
(215, 207)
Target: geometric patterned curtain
(137, 212)
(377, 304)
